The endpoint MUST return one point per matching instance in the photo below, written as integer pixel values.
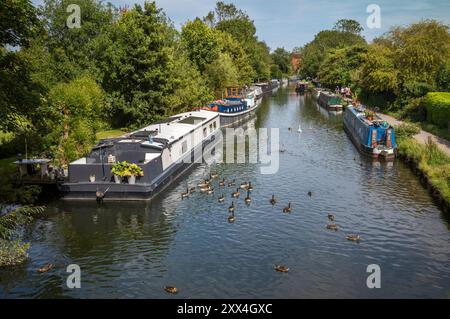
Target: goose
(332, 227)
(45, 268)
(331, 217)
(222, 182)
(248, 199)
(244, 185)
(232, 183)
(185, 194)
(205, 189)
(281, 268)
(273, 201)
(309, 193)
(288, 208)
(231, 208)
(192, 189)
(250, 187)
(210, 191)
(203, 184)
(236, 194)
(231, 218)
(353, 238)
(221, 198)
(171, 290)
(213, 175)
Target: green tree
(201, 43)
(348, 25)
(281, 59)
(340, 65)
(378, 73)
(221, 73)
(75, 108)
(18, 22)
(314, 53)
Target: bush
(406, 130)
(13, 253)
(438, 108)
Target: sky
(293, 23)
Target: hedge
(438, 108)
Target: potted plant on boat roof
(132, 171)
(118, 170)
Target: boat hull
(369, 151)
(234, 119)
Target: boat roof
(174, 127)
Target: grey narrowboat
(163, 151)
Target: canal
(133, 250)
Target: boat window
(205, 132)
(184, 147)
(215, 124)
(210, 128)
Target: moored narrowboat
(301, 87)
(237, 106)
(371, 135)
(161, 152)
(330, 101)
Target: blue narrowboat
(370, 134)
(237, 105)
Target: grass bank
(431, 164)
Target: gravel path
(423, 136)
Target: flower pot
(117, 179)
(92, 178)
(132, 179)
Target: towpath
(423, 136)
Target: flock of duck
(206, 186)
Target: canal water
(133, 250)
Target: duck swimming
(330, 217)
(221, 199)
(171, 290)
(248, 199)
(231, 208)
(281, 268)
(232, 183)
(250, 187)
(210, 191)
(236, 194)
(309, 193)
(222, 182)
(356, 238)
(332, 227)
(273, 201)
(45, 268)
(185, 194)
(231, 218)
(288, 208)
